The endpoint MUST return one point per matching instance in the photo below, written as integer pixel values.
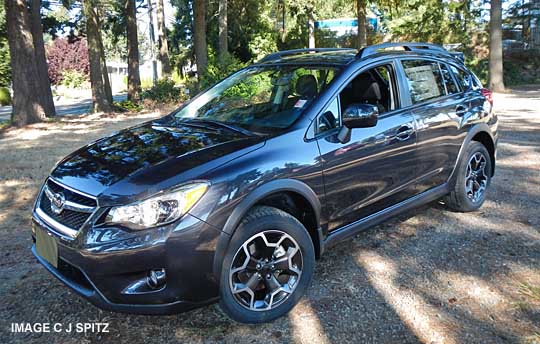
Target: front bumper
(103, 275)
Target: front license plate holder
(47, 247)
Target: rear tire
(267, 268)
(472, 179)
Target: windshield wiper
(224, 125)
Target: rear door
(438, 107)
(375, 169)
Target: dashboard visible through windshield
(261, 98)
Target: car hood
(150, 157)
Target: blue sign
(344, 25)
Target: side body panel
(374, 170)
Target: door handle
(404, 132)
(461, 110)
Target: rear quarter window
(424, 79)
(451, 86)
(463, 78)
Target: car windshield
(261, 98)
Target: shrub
(73, 79)
(5, 68)
(145, 83)
(5, 97)
(63, 55)
(128, 105)
(165, 91)
(479, 67)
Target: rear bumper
(105, 275)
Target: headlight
(158, 210)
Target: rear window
(424, 79)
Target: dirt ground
(429, 276)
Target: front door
(376, 168)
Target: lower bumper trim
(100, 301)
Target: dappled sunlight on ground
(306, 326)
(425, 321)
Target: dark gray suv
(235, 195)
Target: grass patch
(532, 293)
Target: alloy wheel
(476, 178)
(266, 270)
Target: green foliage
(165, 91)
(328, 39)
(430, 20)
(5, 68)
(220, 68)
(519, 68)
(73, 79)
(177, 78)
(479, 67)
(5, 124)
(255, 28)
(145, 83)
(262, 44)
(5, 97)
(128, 105)
(522, 68)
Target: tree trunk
(41, 61)
(199, 36)
(361, 11)
(152, 42)
(27, 103)
(162, 40)
(223, 30)
(311, 31)
(100, 91)
(103, 60)
(134, 78)
(496, 82)
(105, 73)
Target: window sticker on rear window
(425, 81)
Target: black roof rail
(408, 46)
(283, 53)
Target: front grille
(67, 217)
(70, 195)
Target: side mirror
(360, 116)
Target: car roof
(335, 57)
(343, 57)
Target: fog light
(156, 278)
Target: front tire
(473, 178)
(267, 268)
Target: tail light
(488, 94)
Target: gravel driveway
(429, 276)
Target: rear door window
(425, 80)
